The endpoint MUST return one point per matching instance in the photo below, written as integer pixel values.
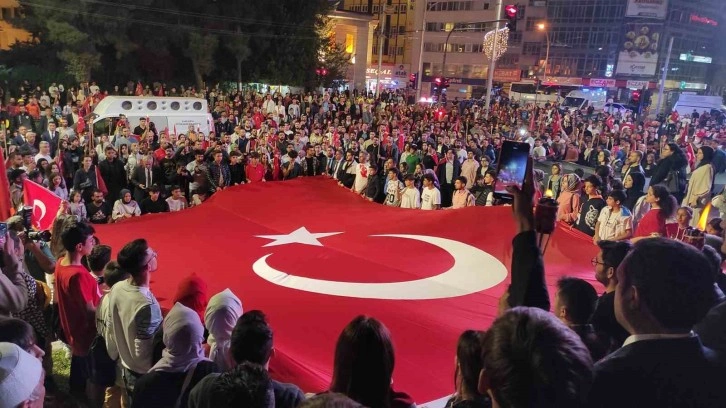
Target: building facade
(9, 35)
(393, 42)
(354, 31)
(623, 44)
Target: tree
(273, 41)
(239, 47)
(336, 62)
(200, 50)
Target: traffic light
(635, 97)
(413, 80)
(441, 82)
(511, 11)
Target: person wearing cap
(21, 378)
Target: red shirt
(74, 289)
(651, 223)
(255, 173)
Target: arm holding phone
(528, 287)
(13, 289)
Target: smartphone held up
(512, 168)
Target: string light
(501, 37)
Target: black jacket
(441, 171)
(660, 373)
(528, 287)
(665, 166)
(114, 175)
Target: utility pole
(492, 62)
(419, 83)
(381, 29)
(661, 89)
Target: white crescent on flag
(473, 271)
(43, 210)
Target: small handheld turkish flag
(45, 204)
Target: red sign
(603, 83)
(695, 18)
(507, 75)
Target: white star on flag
(299, 236)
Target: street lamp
(542, 27)
(427, 6)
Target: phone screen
(3, 229)
(512, 167)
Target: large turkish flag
(312, 256)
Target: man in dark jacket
(113, 174)
(664, 288)
(448, 171)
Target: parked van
(178, 114)
(583, 98)
(688, 102)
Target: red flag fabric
(556, 123)
(5, 204)
(80, 125)
(59, 161)
(276, 170)
(336, 138)
(139, 89)
(45, 204)
(101, 182)
(425, 301)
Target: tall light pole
(381, 28)
(492, 61)
(543, 27)
(446, 49)
(419, 78)
(666, 67)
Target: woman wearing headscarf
(182, 364)
(125, 207)
(192, 293)
(569, 199)
(222, 313)
(698, 193)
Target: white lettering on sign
(374, 71)
(637, 84)
(605, 83)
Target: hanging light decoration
(501, 38)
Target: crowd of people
(639, 193)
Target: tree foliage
(177, 40)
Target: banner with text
(639, 49)
(647, 9)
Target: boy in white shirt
(361, 174)
(430, 196)
(615, 222)
(410, 198)
(393, 189)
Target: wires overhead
(180, 13)
(176, 26)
